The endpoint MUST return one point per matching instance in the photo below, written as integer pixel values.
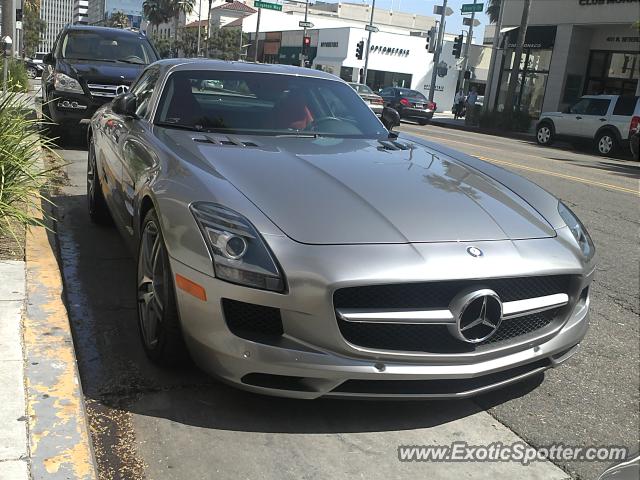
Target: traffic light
(360, 49)
(467, 74)
(18, 14)
(306, 44)
(457, 46)
(432, 39)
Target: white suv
(602, 118)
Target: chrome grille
(106, 91)
(403, 332)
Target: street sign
(305, 24)
(371, 28)
(472, 7)
(467, 22)
(18, 25)
(267, 5)
(437, 10)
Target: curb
(515, 135)
(59, 440)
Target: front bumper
(73, 108)
(312, 359)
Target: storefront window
(377, 79)
(531, 83)
(614, 73)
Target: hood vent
(391, 145)
(229, 141)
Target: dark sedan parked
(410, 104)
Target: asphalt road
(181, 424)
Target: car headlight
(577, 229)
(64, 83)
(238, 251)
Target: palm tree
(493, 10)
(175, 8)
(118, 19)
(208, 26)
(155, 11)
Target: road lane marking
(561, 175)
(585, 181)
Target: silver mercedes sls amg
(294, 246)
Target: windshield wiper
(180, 126)
(90, 59)
(137, 62)
(297, 135)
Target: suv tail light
(635, 125)
(405, 102)
(432, 106)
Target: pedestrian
(472, 98)
(458, 104)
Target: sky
(425, 7)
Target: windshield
(107, 47)
(264, 104)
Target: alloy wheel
(544, 134)
(605, 144)
(152, 284)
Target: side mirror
(48, 59)
(390, 118)
(125, 104)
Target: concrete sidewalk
(14, 450)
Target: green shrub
(516, 121)
(17, 79)
(22, 173)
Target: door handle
(578, 117)
(603, 119)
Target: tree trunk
(515, 71)
(175, 33)
(208, 26)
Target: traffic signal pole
(436, 55)
(303, 57)
(366, 54)
(465, 62)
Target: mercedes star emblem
(478, 315)
(120, 89)
(474, 251)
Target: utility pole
(303, 57)
(366, 54)
(436, 55)
(9, 21)
(255, 53)
(488, 94)
(199, 25)
(465, 62)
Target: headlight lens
(577, 229)
(238, 251)
(64, 83)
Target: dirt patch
(113, 442)
(12, 241)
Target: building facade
(56, 14)
(81, 11)
(572, 48)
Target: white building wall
(57, 14)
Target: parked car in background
(604, 119)
(39, 56)
(87, 68)
(297, 247)
(375, 101)
(410, 104)
(34, 70)
(634, 137)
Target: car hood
(354, 191)
(104, 72)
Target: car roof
(96, 28)
(185, 64)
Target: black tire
(155, 293)
(423, 122)
(52, 130)
(32, 72)
(545, 134)
(606, 143)
(97, 205)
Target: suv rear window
(107, 46)
(625, 106)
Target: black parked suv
(88, 67)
